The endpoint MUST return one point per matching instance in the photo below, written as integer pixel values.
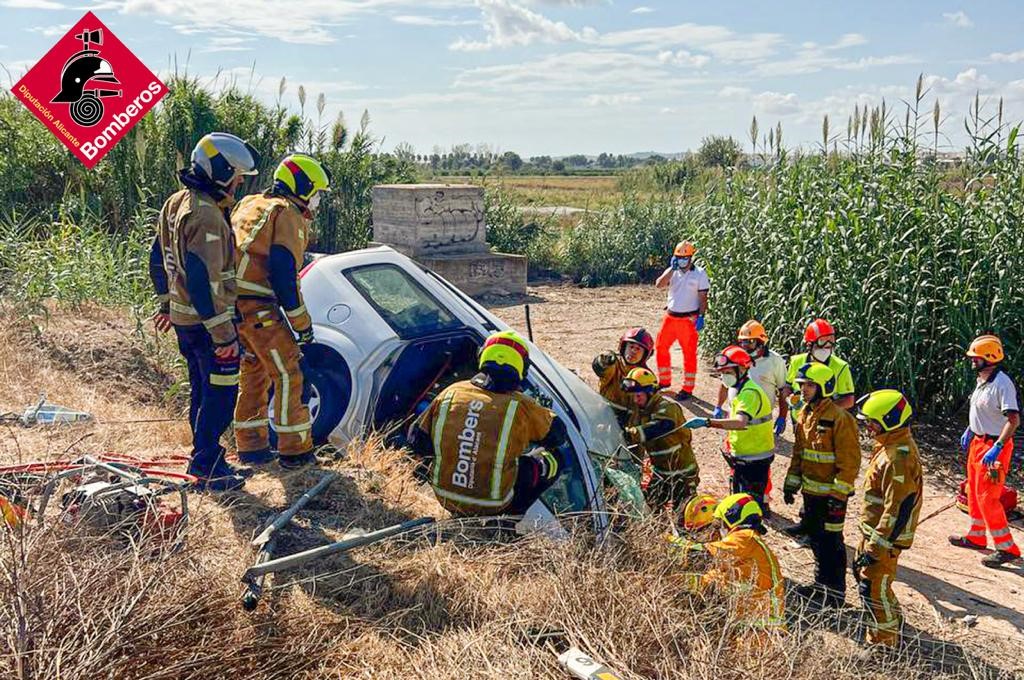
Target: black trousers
(214, 390)
(751, 476)
(533, 478)
(826, 544)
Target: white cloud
(420, 20)
(1007, 57)
(31, 4)
(958, 19)
(847, 40)
(220, 43)
(510, 25)
(683, 58)
(641, 10)
(51, 31)
(733, 92)
(611, 99)
(776, 103)
(721, 42)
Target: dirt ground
(935, 581)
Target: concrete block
(430, 219)
(482, 273)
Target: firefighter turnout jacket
(477, 437)
(611, 369)
(272, 234)
(192, 263)
(893, 493)
(826, 452)
(658, 429)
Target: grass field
(591, 192)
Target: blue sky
(570, 76)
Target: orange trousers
(984, 489)
(676, 329)
(271, 358)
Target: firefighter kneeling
(741, 561)
(478, 433)
(893, 488)
(656, 428)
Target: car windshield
(403, 303)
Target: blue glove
(699, 325)
(965, 439)
(717, 413)
(696, 423)
(780, 425)
(674, 263)
(990, 457)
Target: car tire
(331, 392)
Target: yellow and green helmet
(506, 348)
(888, 408)
(739, 509)
(819, 374)
(301, 175)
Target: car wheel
(330, 391)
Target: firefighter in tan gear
(656, 429)
(272, 230)
(893, 493)
(192, 268)
(824, 465)
(491, 450)
(635, 348)
(742, 563)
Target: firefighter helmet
(817, 329)
(221, 157)
(738, 510)
(684, 249)
(987, 347)
(506, 349)
(753, 330)
(699, 512)
(301, 176)
(733, 357)
(819, 374)
(637, 336)
(640, 380)
(888, 408)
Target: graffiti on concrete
(456, 219)
(487, 269)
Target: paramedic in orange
(688, 287)
(494, 450)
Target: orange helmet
(753, 330)
(817, 329)
(733, 357)
(684, 249)
(987, 347)
(699, 512)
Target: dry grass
(74, 605)
(593, 192)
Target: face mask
(729, 380)
(684, 263)
(821, 354)
(978, 365)
(314, 202)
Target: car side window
(408, 308)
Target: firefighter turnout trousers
(984, 489)
(679, 329)
(271, 358)
(874, 582)
(214, 388)
(824, 517)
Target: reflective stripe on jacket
(893, 492)
(826, 452)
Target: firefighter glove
(305, 337)
(789, 496)
(990, 457)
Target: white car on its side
(391, 334)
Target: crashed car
(390, 335)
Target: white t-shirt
(991, 400)
(683, 289)
(769, 372)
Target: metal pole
(529, 326)
(287, 515)
(298, 559)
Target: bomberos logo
(89, 90)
